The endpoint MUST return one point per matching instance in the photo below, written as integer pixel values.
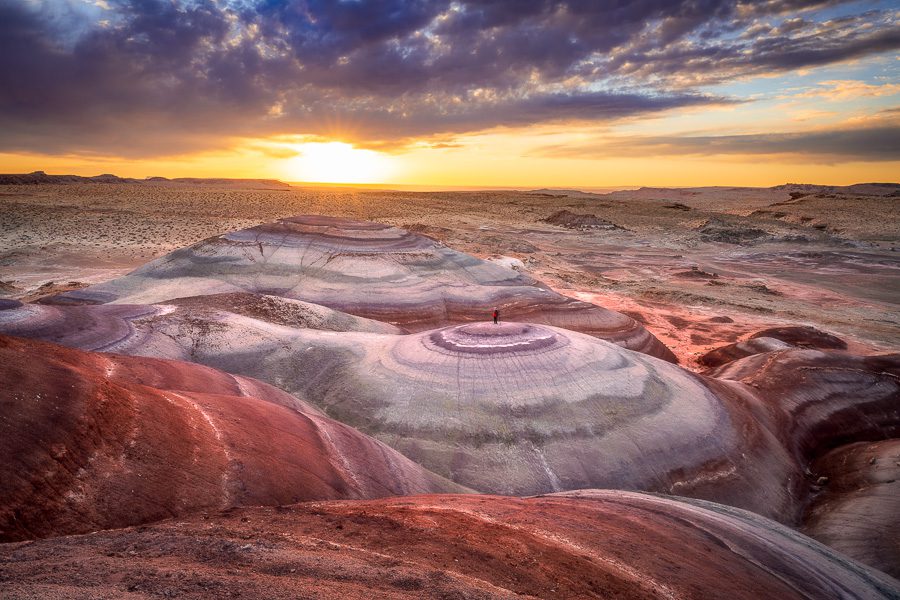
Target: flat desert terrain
(698, 267)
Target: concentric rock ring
(489, 338)
(329, 233)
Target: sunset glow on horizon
(436, 93)
(338, 162)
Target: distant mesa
(99, 441)
(366, 269)
(40, 177)
(564, 192)
(591, 544)
(861, 189)
(262, 183)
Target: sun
(338, 162)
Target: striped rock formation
(366, 269)
(95, 441)
(839, 415)
(856, 509)
(512, 408)
(598, 544)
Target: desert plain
(249, 388)
(698, 267)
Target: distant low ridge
(863, 189)
(38, 177)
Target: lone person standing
(496, 316)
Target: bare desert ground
(699, 267)
(245, 388)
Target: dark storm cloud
(880, 143)
(155, 77)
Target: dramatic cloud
(160, 77)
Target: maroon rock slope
(731, 352)
(823, 400)
(857, 507)
(804, 337)
(770, 340)
(94, 441)
(840, 415)
(601, 544)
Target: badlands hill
(365, 269)
(592, 544)
(515, 408)
(42, 178)
(98, 441)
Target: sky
(505, 93)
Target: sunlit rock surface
(94, 441)
(597, 544)
(365, 269)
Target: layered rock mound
(600, 544)
(522, 408)
(519, 408)
(803, 336)
(731, 352)
(840, 416)
(513, 408)
(136, 329)
(824, 399)
(856, 507)
(771, 340)
(97, 441)
(365, 269)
